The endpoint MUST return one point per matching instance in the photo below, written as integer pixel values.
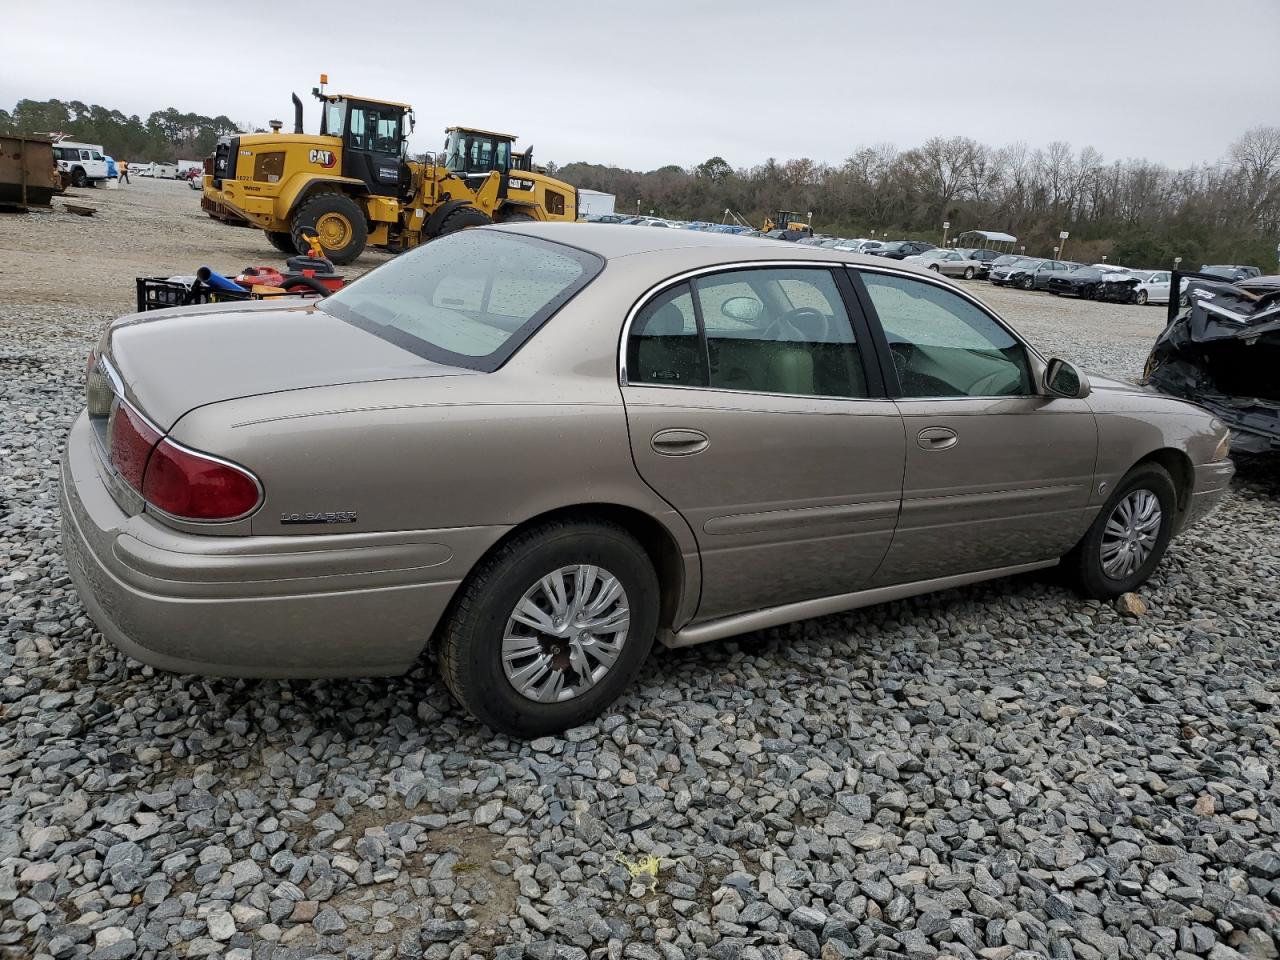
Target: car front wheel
(1141, 298)
(551, 628)
(1127, 539)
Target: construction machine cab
(474, 154)
(375, 139)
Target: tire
(515, 216)
(1085, 562)
(462, 218)
(1088, 293)
(305, 283)
(934, 268)
(968, 273)
(471, 644)
(333, 217)
(282, 240)
(78, 177)
(1140, 298)
(1028, 282)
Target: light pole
(1062, 236)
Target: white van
(164, 171)
(83, 162)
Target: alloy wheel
(565, 633)
(1130, 534)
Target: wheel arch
(305, 188)
(1178, 465)
(675, 581)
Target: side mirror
(746, 309)
(1061, 379)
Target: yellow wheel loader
(353, 184)
(787, 220)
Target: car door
(756, 409)
(1158, 287)
(996, 475)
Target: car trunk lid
(172, 361)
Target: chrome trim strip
(924, 276)
(804, 609)
(797, 517)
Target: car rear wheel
(551, 628)
(1128, 538)
(1141, 298)
(78, 177)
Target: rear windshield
(468, 299)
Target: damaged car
(1221, 352)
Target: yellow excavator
(353, 184)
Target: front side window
(944, 346)
(770, 330)
(467, 299)
(335, 117)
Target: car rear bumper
(1212, 480)
(321, 605)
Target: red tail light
(131, 441)
(196, 486)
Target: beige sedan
(950, 263)
(534, 450)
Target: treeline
(165, 135)
(1133, 211)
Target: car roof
(607, 241)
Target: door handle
(937, 438)
(677, 442)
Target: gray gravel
(1004, 771)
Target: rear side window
(777, 330)
(468, 299)
(664, 346)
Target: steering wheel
(797, 325)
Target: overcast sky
(643, 83)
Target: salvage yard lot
(1001, 768)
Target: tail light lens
(195, 486)
(132, 439)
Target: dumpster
(28, 175)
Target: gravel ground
(1003, 771)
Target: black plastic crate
(156, 293)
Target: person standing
(124, 171)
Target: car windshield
(892, 245)
(468, 299)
